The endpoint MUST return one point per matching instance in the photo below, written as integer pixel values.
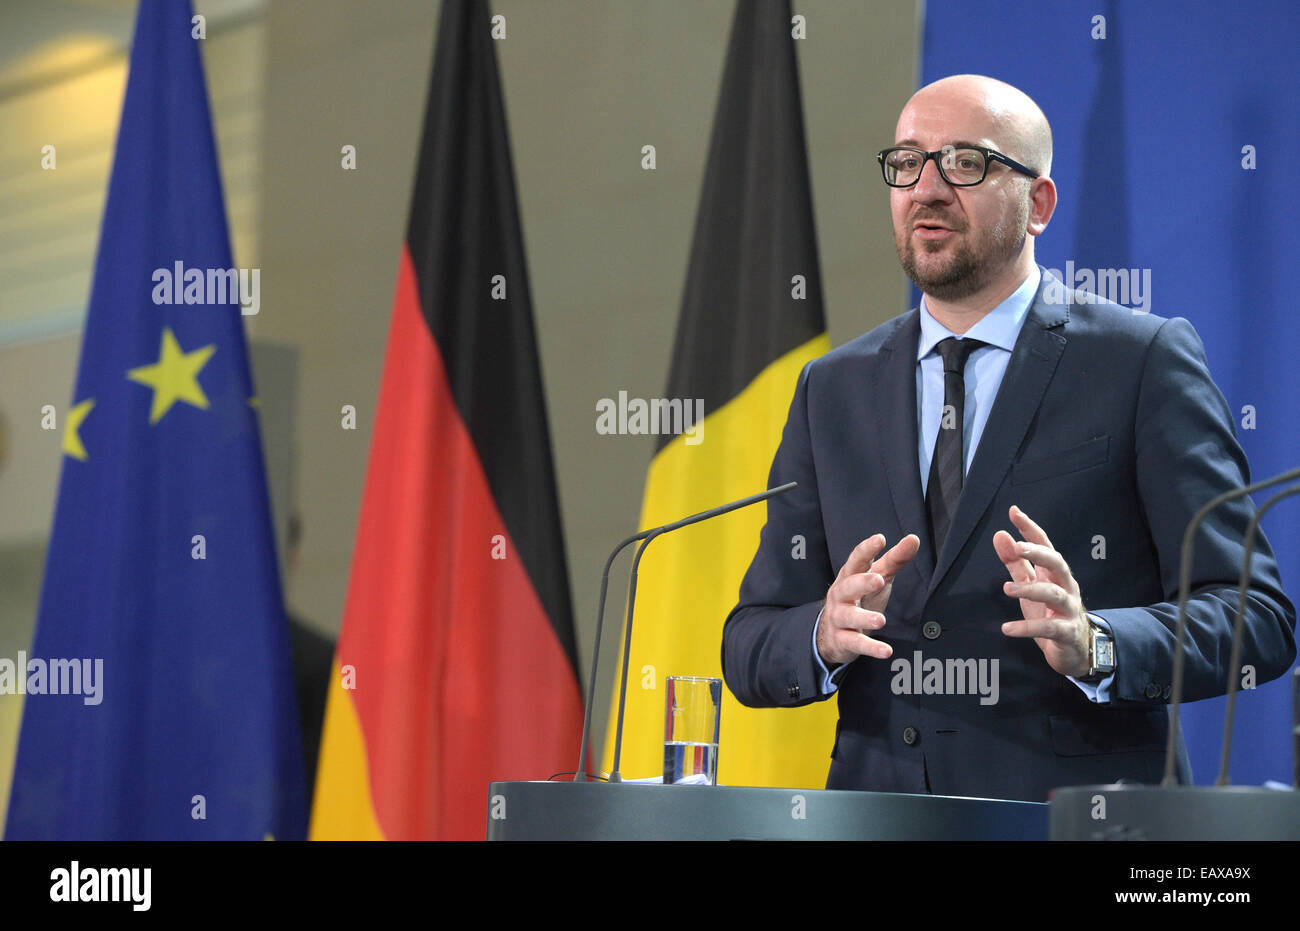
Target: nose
(930, 187)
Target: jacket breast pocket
(1091, 453)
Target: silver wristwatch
(1101, 652)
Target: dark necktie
(946, 466)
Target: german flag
(455, 663)
(751, 319)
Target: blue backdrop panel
(1150, 124)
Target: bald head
(1014, 122)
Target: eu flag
(159, 696)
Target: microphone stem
(1184, 586)
(616, 775)
(1234, 664)
(581, 773)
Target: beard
(971, 265)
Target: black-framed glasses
(960, 166)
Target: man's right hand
(856, 600)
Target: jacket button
(1152, 690)
(792, 691)
(931, 630)
(911, 735)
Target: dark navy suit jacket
(1108, 431)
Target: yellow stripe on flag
(689, 581)
(11, 716)
(342, 808)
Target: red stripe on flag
(460, 679)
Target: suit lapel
(893, 398)
(1033, 362)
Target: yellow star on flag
(71, 439)
(174, 377)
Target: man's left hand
(1049, 597)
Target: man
(967, 661)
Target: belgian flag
(455, 663)
(751, 318)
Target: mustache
(930, 216)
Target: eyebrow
(956, 144)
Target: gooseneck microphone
(581, 774)
(647, 536)
(1238, 630)
(1184, 586)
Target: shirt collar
(999, 327)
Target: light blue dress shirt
(999, 328)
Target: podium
(631, 811)
(1176, 813)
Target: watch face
(1105, 653)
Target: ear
(1042, 203)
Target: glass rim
(989, 155)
